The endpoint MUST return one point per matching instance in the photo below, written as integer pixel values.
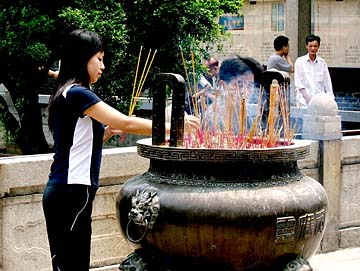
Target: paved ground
(341, 260)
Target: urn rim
(296, 151)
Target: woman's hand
(109, 132)
(53, 74)
(191, 123)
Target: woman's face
(95, 67)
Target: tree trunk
(30, 137)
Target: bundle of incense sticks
(274, 87)
(192, 91)
(218, 131)
(137, 86)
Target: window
(277, 17)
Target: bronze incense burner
(218, 209)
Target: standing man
(311, 73)
(281, 59)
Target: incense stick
(144, 74)
(134, 85)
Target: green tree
(168, 25)
(23, 50)
(31, 32)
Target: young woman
(80, 123)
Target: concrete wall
(349, 212)
(23, 239)
(342, 183)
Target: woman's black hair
(78, 48)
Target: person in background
(239, 77)
(311, 73)
(281, 59)
(279, 63)
(203, 94)
(213, 67)
(80, 122)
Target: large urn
(220, 209)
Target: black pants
(67, 210)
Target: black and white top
(78, 139)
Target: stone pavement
(340, 260)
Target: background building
(336, 22)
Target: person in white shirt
(311, 73)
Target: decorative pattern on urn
(144, 211)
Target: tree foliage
(168, 25)
(31, 31)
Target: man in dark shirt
(281, 59)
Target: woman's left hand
(191, 123)
(109, 132)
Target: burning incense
(258, 115)
(195, 85)
(224, 122)
(242, 116)
(271, 118)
